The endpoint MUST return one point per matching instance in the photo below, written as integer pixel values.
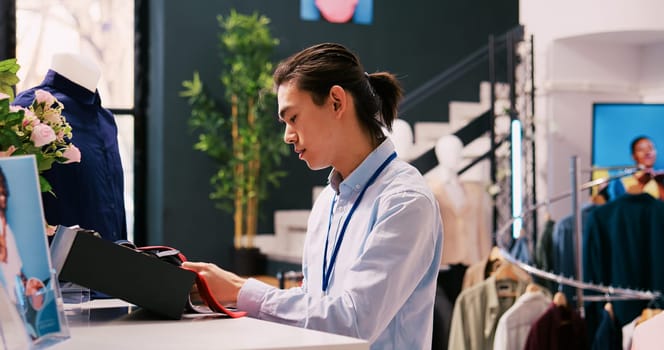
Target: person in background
(646, 180)
(89, 194)
(374, 235)
(11, 264)
(16, 284)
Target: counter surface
(113, 324)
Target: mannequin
(451, 196)
(448, 151)
(462, 206)
(90, 193)
(77, 68)
(402, 137)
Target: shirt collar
(360, 176)
(69, 88)
(493, 305)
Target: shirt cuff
(251, 296)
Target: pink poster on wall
(337, 11)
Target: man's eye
(292, 119)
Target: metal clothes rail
(609, 292)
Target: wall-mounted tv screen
(615, 125)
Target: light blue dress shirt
(383, 284)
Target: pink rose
(42, 135)
(29, 118)
(73, 154)
(52, 116)
(60, 136)
(43, 96)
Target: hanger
(609, 307)
(505, 272)
(533, 288)
(647, 314)
(650, 311)
(506, 280)
(509, 271)
(597, 199)
(559, 299)
(547, 212)
(495, 254)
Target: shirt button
(357, 187)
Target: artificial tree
(242, 138)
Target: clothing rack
(575, 175)
(528, 209)
(610, 292)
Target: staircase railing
(484, 122)
(456, 71)
(481, 124)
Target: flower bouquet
(40, 129)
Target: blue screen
(615, 125)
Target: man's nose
(289, 135)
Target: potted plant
(242, 138)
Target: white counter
(136, 332)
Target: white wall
(588, 51)
(551, 20)
(652, 74)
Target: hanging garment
(560, 327)
(514, 325)
(564, 248)
(442, 320)
(481, 270)
(609, 334)
(623, 247)
(521, 250)
(476, 273)
(477, 311)
(465, 210)
(544, 247)
(628, 334)
(544, 253)
(648, 335)
(90, 193)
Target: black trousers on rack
(449, 286)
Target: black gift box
(120, 272)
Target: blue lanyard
(327, 270)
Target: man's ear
(339, 98)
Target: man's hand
(644, 176)
(33, 289)
(659, 177)
(223, 284)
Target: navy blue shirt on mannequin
(90, 193)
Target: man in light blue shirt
(374, 236)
